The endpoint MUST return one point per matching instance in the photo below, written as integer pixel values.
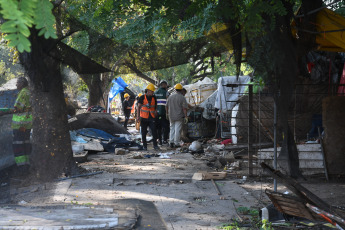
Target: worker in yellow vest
(147, 112)
(21, 125)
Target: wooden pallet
(209, 175)
(291, 205)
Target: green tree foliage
(5, 73)
(21, 16)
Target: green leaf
(44, 19)
(28, 9)
(23, 29)
(9, 27)
(20, 47)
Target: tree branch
(57, 3)
(138, 72)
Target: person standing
(126, 109)
(21, 125)
(147, 105)
(176, 110)
(162, 124)
(136, 105)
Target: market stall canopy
(329, 34)
(332, 31)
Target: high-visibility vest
(161, 96)
(24, 119)
(146, 108)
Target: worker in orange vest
(147, 112)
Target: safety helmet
(151, 87)
(140, 94)
(178, 86)
(126, 95)
(163, 81)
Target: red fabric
(341, 89)
(226, 142)
(310, 66)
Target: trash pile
(302, 208)
(94, 140)
(216, 152)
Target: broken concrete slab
(93, 146)
(120, 151)
(80, 157)
(64, 217)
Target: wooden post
(250, 130)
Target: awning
(329, 34)
(328, 22)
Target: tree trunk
(98, 85)
(51, 146)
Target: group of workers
(161, 113)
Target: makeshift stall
(201, 94)
(200, 91)
(230, 89)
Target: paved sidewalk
(181, 202)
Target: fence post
(250, 129)
(275, 142)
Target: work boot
(165, 142)
(171, 145)
(145, 148)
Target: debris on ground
(120, 151)
(102, 121)
(304, 203)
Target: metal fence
(251, 123)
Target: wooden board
(209, 175)
(290, 205)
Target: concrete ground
(162, 188)
(181, 202)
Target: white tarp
(208, 106)
(227, 97)
(200, 91)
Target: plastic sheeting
(208, 105)
(200, 91)
(227, 97)
(119, 86)
(95, 133)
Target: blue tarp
(76, 138)
(109, 142)
(119, 86)
(95, 133)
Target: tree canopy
(144, 35)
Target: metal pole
(250, 130)
(275, 143)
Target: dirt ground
(167, 182)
